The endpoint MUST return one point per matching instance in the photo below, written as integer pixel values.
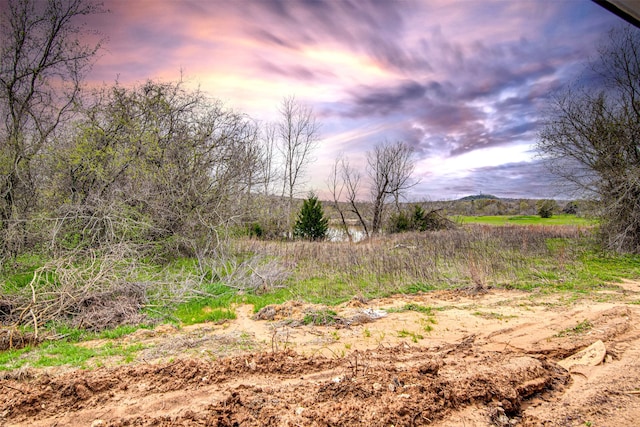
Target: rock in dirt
(590, 356)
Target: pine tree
(311, 223)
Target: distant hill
(478, 197)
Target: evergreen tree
(419, 218)
(311, 223)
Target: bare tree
(344, 183)
(592, 139)
(352, 179)
(298, 134)
(42, 63)
(269, 139)
(336, 186)
(390, 168)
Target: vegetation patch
(420, 287)
(427, 324)
(321, 318)
(58, 353)
(202, 310)
(411, 307)
(580, 328)
(492, 315)
(558, 219)
(121, 331)
(547, 259)
(11, 359)
(408, 334)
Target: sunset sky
(464, 82)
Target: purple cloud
(450, 78)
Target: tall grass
(473, 256)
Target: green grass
(202, 310)
(59, 353)
(558, 219)
(68, 333)
(415, 288)
(213, 303)
(19, 273)
(412, 307)
(580, 328)
(14, 282)
(62, 353)
(11, 359)
(610, 268)
(337, 287)
(73, 335)
(407, 334)
(276, 296)
(330, 289)
(121, 331)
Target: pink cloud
(449, 77)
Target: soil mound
(400, 385)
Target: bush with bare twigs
(255, 274)
(93, 294)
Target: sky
(465, 83)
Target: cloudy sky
(464, 82)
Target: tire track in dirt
(556, 337)
(401, 385)
(491, 360)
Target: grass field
(559, 219)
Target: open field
(557, 219)
(474, 326)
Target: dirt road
(494, 359)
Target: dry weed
(96, 294)
(475, 255)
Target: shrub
(255, 230)
(546, 208)
(571, 208)
(399, 222)
(419, 220)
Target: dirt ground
(501, 358)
